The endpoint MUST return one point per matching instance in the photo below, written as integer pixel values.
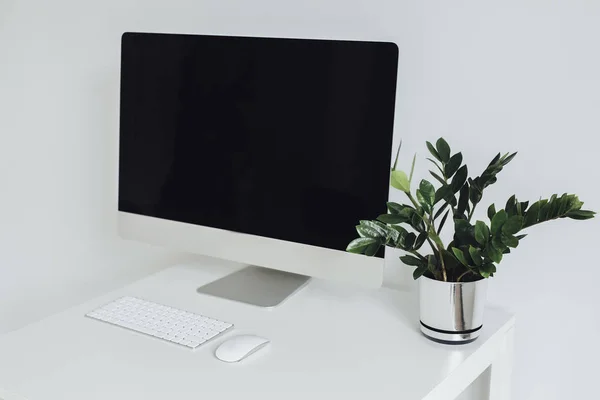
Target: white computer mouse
(239, 347)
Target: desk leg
(501, 369)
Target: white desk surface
(328, 341)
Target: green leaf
(368, 232)
(475, 254)
(574, 203)
(387, 229)
(359, 245)
(437, 177)
(498, 220)
(397, 154)
(562, 202)
(440, 210)
(372, 249)
(497, 242)
(521, 207)
(531, 216)
(494, 160)
(444, 192)
(423, 202)
(427, 191)
(436, 239)
(460, 256)
(443, 150)
(413, 261)
(402, 233)
(412, 168)
(417, 273)
(407, 212)
(482, 233)
(433, 151)
(399, 180)
(553, 207)
(420, 240)
(410, 240)
(487, 270)
(459, 179)
(374, 226)
(436, 165)
(432, 265)
(544, 208)
(494, 254)
(488, 177)
(509, 240)
(392, 219)
(511, 206)
(416, 221)
(395, 208)
(506, 160)
(475, 191)
(450, 260)
(463, 200)
(491, 211)
(464, 232)
(453, 164)
(513, 225)
(581, 214)
(443, 221)
(393, 237)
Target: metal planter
(452, 312)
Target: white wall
(489, 76)
(58, 153)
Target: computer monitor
(263, 151)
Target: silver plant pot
(451, 312)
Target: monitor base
(258, 286)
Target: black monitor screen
(283, 138)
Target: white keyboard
(163, 322)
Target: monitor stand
(259, 286)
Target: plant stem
(431, 218)
(463, 274)
(397, 154)
(431, 228)
(449, 204)
(432, 245)
(472, 212)
(444, 275)
(412, 200)
(417, 205)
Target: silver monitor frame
(274, 254)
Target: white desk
(328, 342)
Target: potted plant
(453, 278)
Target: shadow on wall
(104, 120)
